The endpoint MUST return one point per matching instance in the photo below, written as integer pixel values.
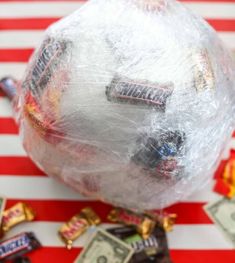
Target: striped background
(195, 239)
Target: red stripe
(15, 55)
(8, 126)
(189, 213)
(18, 166)
(61, 211)
(61, 255)
(26, 23)
(53, 254)
(202, 256)
(43, 23)
(221, 24)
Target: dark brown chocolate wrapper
(22, 244)
(163, 256)
(122, 232)
(22, 260)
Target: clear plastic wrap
(129, 101)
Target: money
(2, 206)
(222, 212)
(105, 248)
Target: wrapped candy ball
(129, 101)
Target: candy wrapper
(129, 101)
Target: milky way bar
(17, 214)
(143, 224)
(139, 92)
(18, 245)
(78, 225)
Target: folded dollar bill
(222, 212)
(105, 248)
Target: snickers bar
(18, 245)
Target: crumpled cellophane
(129, 101)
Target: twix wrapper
(144, 224)
(163, 219)
(78, 225)
(15, 215)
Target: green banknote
(105, 248)
(222, 212)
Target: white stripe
(11, 145)
(12, 69)
(31, 38)
(213, 10)
(36, 187)
(20, 38)
(228, 38)
(183, 236)
(57, 9)
(37, 9)
(197, 237)
(5, 107)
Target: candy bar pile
(142, 238)
(15, 247)
(138, 238)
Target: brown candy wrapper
(17, 214)
(144, 224)
(77, 225)
(154, 254)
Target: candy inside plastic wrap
(129, 101)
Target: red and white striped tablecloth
(195, 238)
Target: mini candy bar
(163, 219)
(91, 216)
(203, 72)
(8, 86)
(16, 214)
(130, 91)
(22, 260)
(49, 57)
(155, 148)
(77, 225)
(18, 245)
(139, 245)
(144, 224)
(122, 232)
(160, 234)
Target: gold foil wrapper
(73, 229)
(91, 216)
(17, 214)
(78, 225)
(144, 225)
(164, 220)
